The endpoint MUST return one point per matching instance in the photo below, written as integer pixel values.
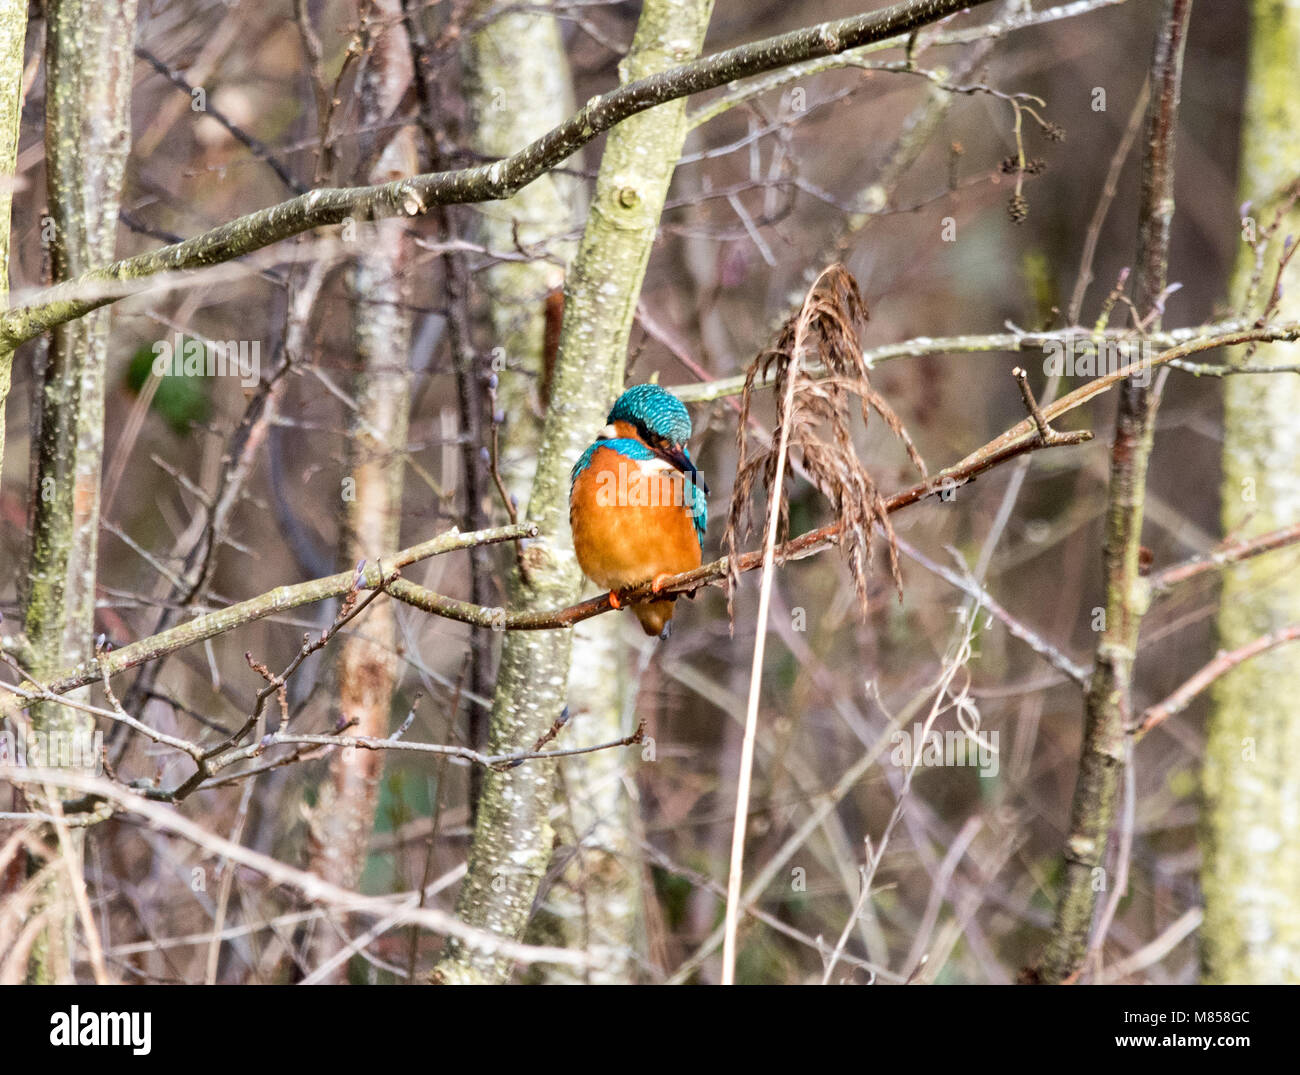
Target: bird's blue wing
(696, 497)
(699, 509)
(584, 461)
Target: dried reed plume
(817, 414)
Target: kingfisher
(637, 504)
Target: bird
(637, 503)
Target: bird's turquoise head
(655, 414)
(658, 419)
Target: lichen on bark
(13, 33)
(513, 834)
(1251, 867)
(88, 62)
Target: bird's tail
(653, 615)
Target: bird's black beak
(676, 455)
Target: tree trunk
(13, 34)
(88, 63)
(372, 502)
(1251, 866)
(1108, 706)
(598, 896)
(513, 835)
(518, 88)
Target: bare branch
(486, 182)
(1223, 663)
(309, 886)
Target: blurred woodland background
(443, 367)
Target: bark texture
(513, 835)
(88, 60)
(375, 453)
(519, 88)
(13, 33)
(1251, 867)
(1108, 707)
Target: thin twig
(312, 888)
(1228, 552)
(486, 182)
(1223, 663)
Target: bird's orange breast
(631, 522)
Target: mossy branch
(281, 599)
(1108, 702)
(486, 182)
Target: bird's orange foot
(614, 602)
(658, 583)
